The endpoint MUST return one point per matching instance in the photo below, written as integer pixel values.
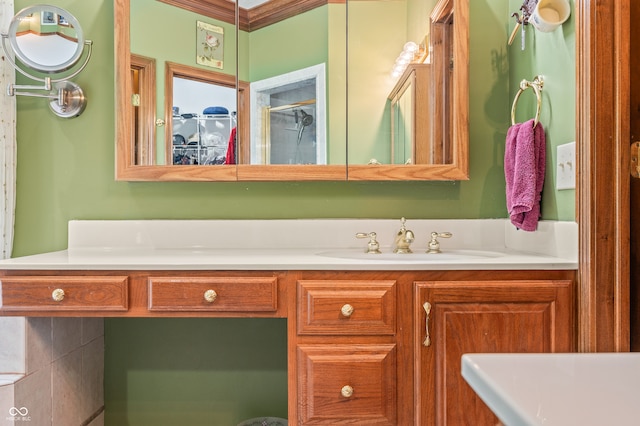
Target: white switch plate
(566, 166)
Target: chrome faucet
(403, 240)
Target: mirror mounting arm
(68, 102)
(17, 89)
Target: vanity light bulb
(410, 47)
(398, 70)
(406, 56)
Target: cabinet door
(458, 317)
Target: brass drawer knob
(210, 296)
(347, 310)
(58, 295)
(346, 391)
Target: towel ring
(536, 85)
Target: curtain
(7, 142)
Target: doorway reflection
(203, 123)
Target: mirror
(411, 136)
(292, 119)
(48, 39)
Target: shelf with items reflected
(204, 139)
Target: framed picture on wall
(209, 45)
(62, 21)
(48, 18)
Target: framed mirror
(36, 29)
(48, 40)
(289, 63)
(423, 111)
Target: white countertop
(322, 244)
(557, 389)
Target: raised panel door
(454, 318)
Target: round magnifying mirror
(46, 38)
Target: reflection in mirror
(411, 126)
(288, 121)
(443, 84)
(296, 65)
(423, 113)
(203, 124)
(205, 136)
(48, 39)
(281, 37)
(171, 40)
(278, 38)
(143, 81)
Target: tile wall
(51, 371)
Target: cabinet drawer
(347, 384)
(64, 293)
(237, 294)
(351, 307)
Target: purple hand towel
(524, 167)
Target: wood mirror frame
(127, 170)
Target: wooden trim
(124, 164)
(222, 10)
(250, 19)
(145, 129)
(442, 11)
(187, 72)
(275, 11)
(289, 172)
(635, 187)
(603, 179)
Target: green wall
(551, 55)
(194, 371)
(66, 171)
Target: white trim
(260, 98)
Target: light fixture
(411, 52)
(30, 38)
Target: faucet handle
(434, 244)
(373, 247)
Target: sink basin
(416, 256)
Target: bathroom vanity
(371, 338)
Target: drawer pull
(347, 310)
(427, 338)
(346, 391)
(210, 296)
(58, 295)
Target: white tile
(9, 379)
(12, 345)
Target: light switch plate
(566, 166)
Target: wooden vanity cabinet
(356, 339)
(144, 293)
(458, 317)
(46, 294)
(346, 352)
